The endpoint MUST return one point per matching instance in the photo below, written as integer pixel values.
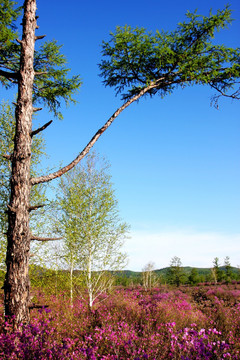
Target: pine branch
(9, 75)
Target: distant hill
(164, 271)
(187, 270)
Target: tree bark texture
(17, 284)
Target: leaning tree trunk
(17, 284)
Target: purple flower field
(187, 323)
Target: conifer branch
(9, 75)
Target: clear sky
(175, 161)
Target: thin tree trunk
(89, 281)
(17, 284)
(71, 285)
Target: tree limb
(38, 238)
(11, 208)
(35, 207)
(37, 306)
(36, 109)
(9, 75)
(87, 148)
(235, 95)
(40, 73)
(39, 37)
(34, 132)
(7, 156)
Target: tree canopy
(133, 59)
(52, 82)
(90, 224)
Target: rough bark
(17, 284)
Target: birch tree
(148, 276)
(135, 62)
(92, 230)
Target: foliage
(228, 269)
(149, 277)
(7, 130)
(134, 58)
(51, 75)
(90, 224)
(217, 273)
(194, 278)
(8, 35)
(176, 274)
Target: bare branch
(40, 73)
(36, 109)
(235, 95)
(39, 37)
(35, 207)
(38, 238)
(7, 156)
(37, 306)
(11, 208)
(34, 132)
(9, 75)
(87, 148)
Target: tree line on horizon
(55, 280)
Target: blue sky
(175, 162)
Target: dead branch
(40, 73)
(7, 156)
(34, 132)
(38, 238)
(9, 75)
(39, 37)
(11, 208)
(37, 109)
(35, 207)
(37, 306)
